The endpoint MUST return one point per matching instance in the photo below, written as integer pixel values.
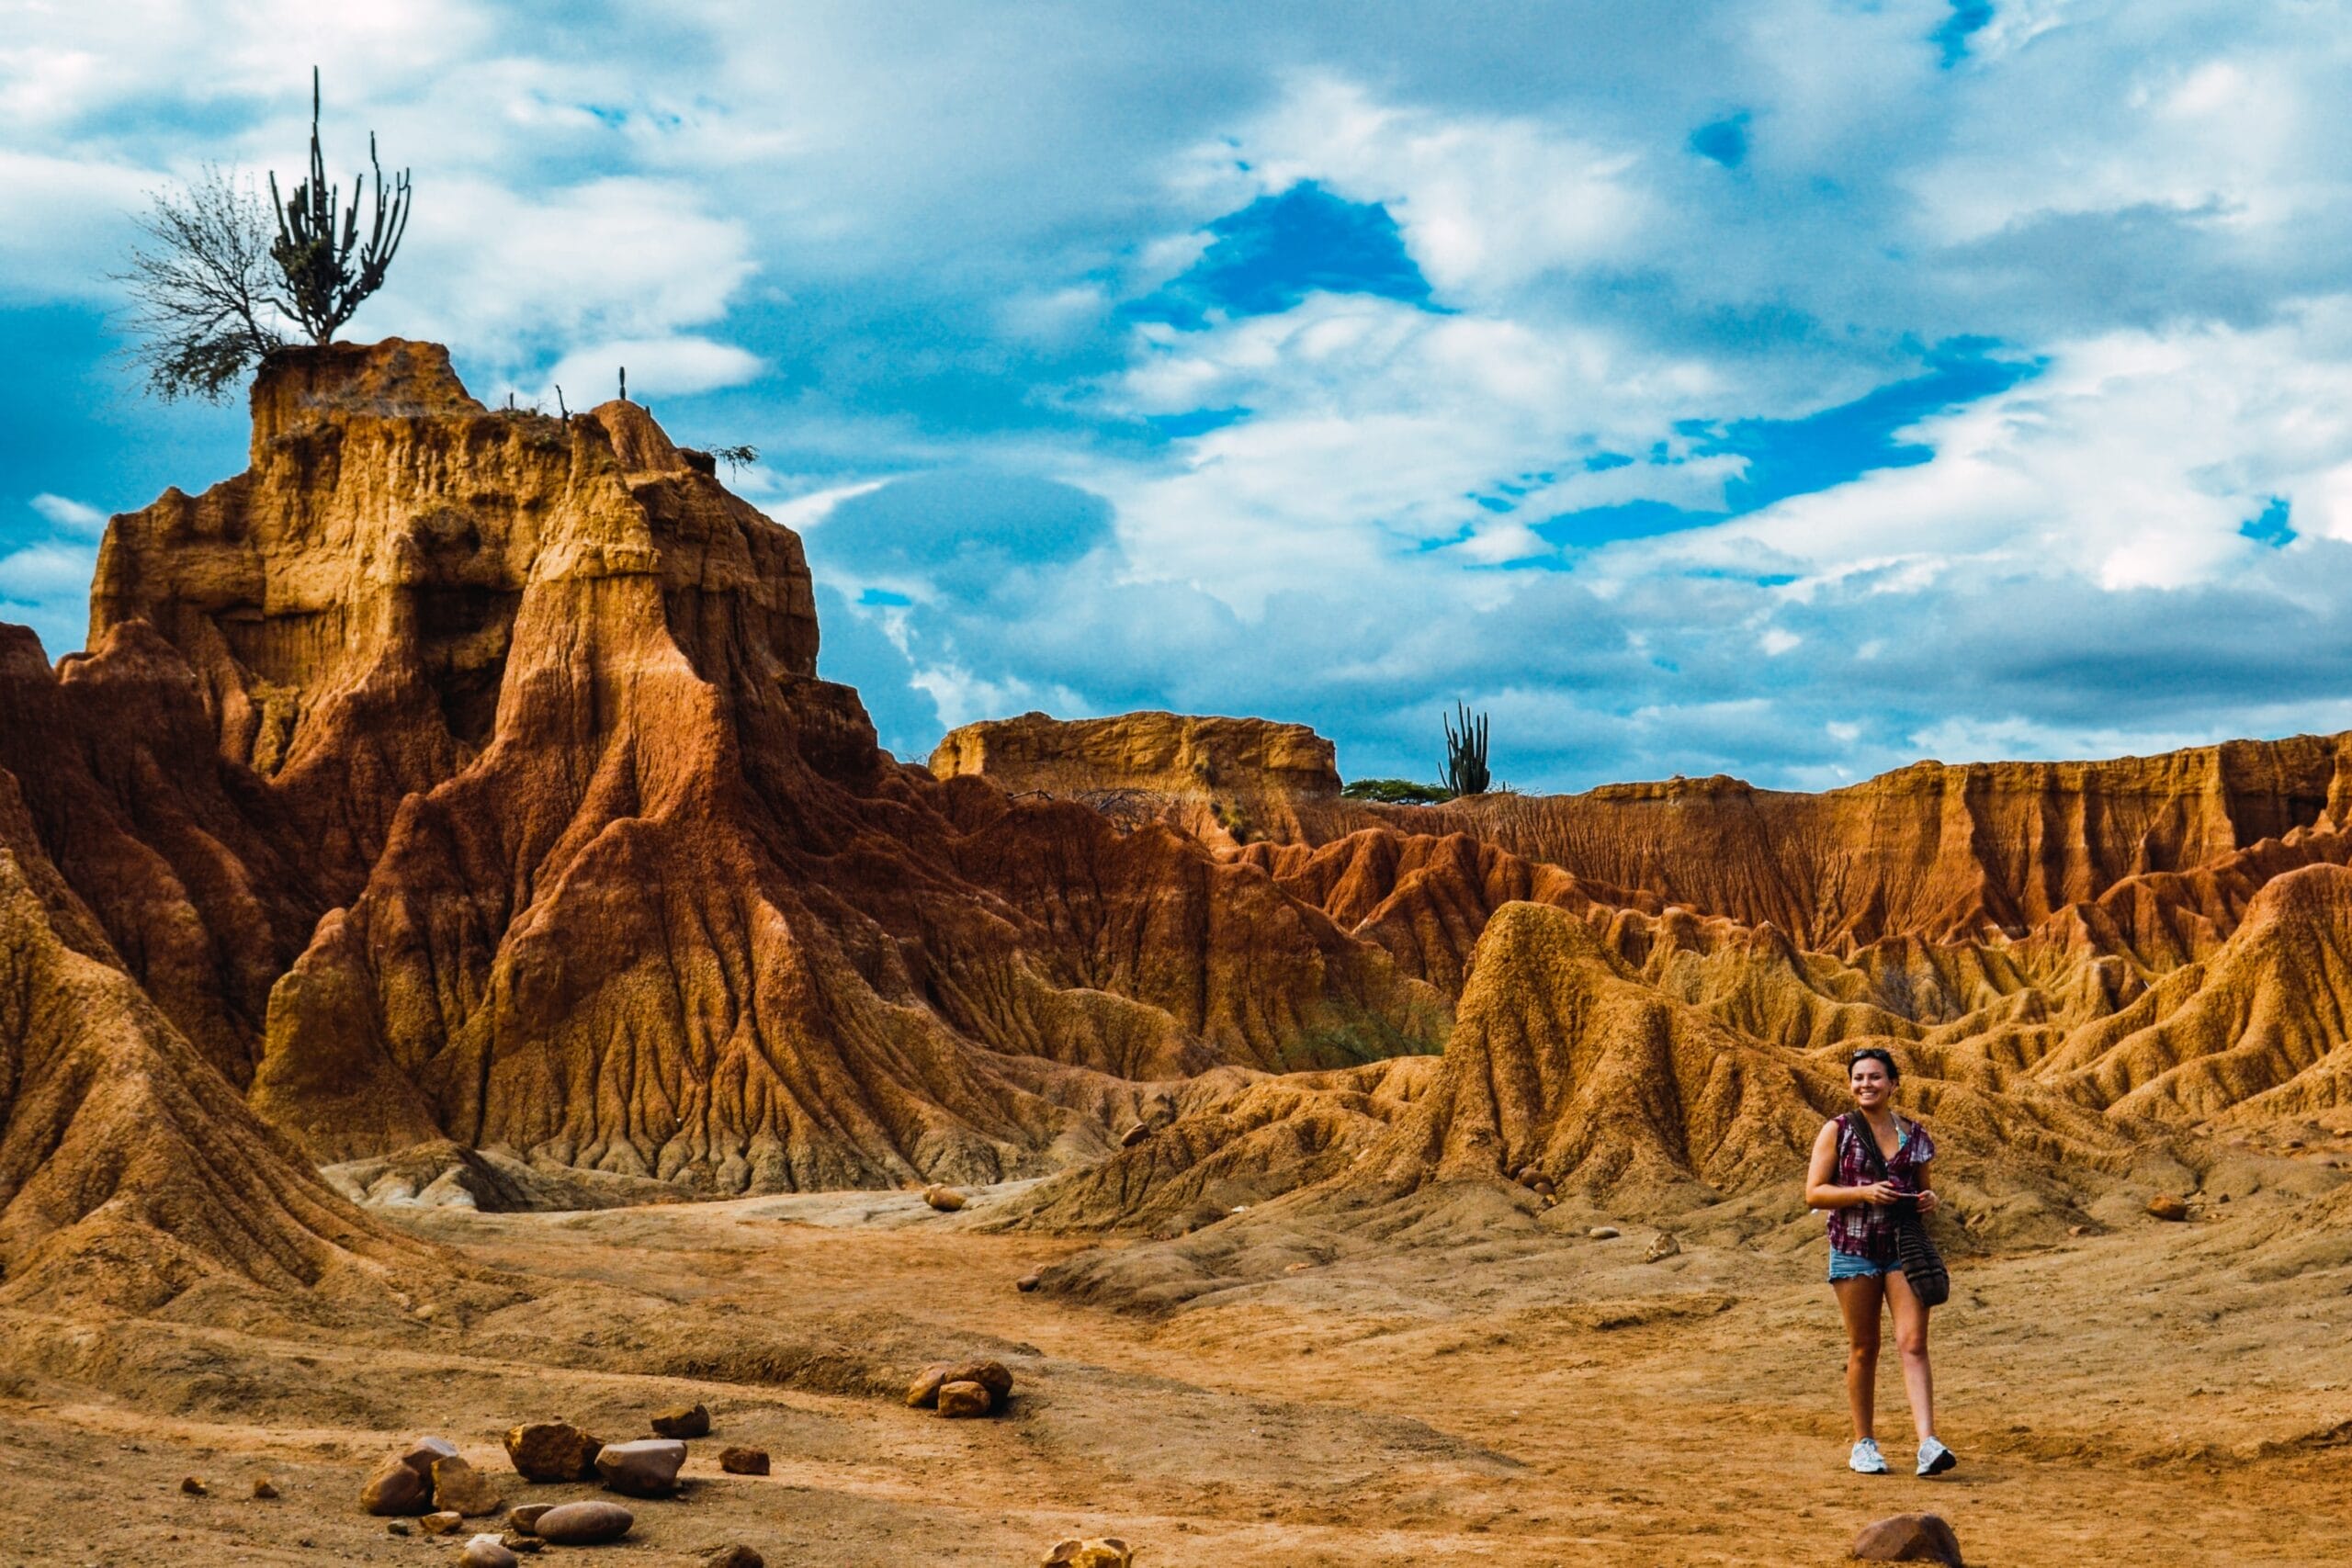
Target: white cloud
(67, 512)
(1485, 203)
(46, 586)
(658, 367)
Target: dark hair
(1875, 1054)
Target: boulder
(1909, 1537)
(946, 1199)
(2165, 1206)
(395, 1487)
(736, 1556)
(583, 1523)
(1108, 1552)
(487, 1551)
(645, 1468)
(552, 1450)
(444, 1522)
(743, 1462)
(526, 1517)
(924, 1393)
(459, 1487)
(682, 1421)
(961, 1400)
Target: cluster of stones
(429, 1481)
(959, 1390)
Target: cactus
(1465, 752)
(318, 236)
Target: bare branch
(204, 312)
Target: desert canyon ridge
(447, 859)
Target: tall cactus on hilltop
(327, 272)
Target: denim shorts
(1854, 1265)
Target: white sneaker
(1934, 1458)
(1868, 1461)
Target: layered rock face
(1932, 851)
(2077, 965)
(1230, 781)
(464, 774)
(131, 1172)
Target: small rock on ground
(924, 1393)
(990, 1375)
(645, 1468)
(1665, 1246)
(737, 1556)
(264, 1489)
(395, 1487)
(487, 1551)
(583, 1523)
(1029, 1282)
(442, 1523)
(946, 1199)
(960, 1401)
(1909, 1537)
(743, 1462)
(423, 1454)
(1604, 1233)
(682, 1421)
(526, 1517)
(1108, 1552)
(460, 1488)
(1134, 1135)
(194, 1487)
(552, 1450)
(2165, 1206)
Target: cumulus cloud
(1680, 451)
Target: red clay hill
(463, 775)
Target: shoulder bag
(1914, 1253)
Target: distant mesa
(1227, 779)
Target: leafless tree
(204, 286)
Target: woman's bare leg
(1858, 1302)
(1911, 1341)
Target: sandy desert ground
(1486, 1383)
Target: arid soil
(1475, 1387)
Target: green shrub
(1395, 792)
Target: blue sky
(1791, 388)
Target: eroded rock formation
(455, 792)
(459, 774)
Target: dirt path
(1520, 1403)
